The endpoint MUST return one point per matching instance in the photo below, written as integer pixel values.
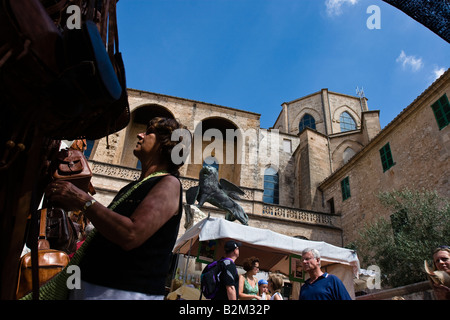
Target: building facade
(322, 148)
(412, 151)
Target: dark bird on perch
(219, 193)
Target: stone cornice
(253, 114)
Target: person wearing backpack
(229, 277)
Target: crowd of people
(319, 286)
(135, 235)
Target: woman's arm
(241, 287)
(160, 204)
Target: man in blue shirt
(320, 285)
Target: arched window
(307, 121)
(347, 122)
(212, 162)
(271, 186)
(348, 153)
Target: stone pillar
(285, 118)
(193, 215)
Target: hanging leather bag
(30, 60)
(50, 262)
(60, 232)
(71, 165)
(89, 86)
(94, 79)
(63, 83)
(118, 115)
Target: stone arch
(347, 122)
(338, 152)
(140, 116)
(339, 110)
(318, 117)
(216, 137)
(348, 154)
(307, 121)
(145, 112)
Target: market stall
(276, 252)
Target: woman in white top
(275, 285)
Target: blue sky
(256, 54)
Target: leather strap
(43, 224)
(43, 243)
(104, 20)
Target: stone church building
(315, 174)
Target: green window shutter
(386, 157)
(345, 188)
(441, 110)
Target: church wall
(108, 179)
(339, 144)
(314, 168)
(318, 156)
(312, 105)
(191, 114)
(326, 108)
(370, 125)
(421, 155)
(340, 103)
(286, 169)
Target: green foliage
(420, 222)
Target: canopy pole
(174, 272)
(187, 263)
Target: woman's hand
(66, 196)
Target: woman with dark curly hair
(129, 255)
(248, 284)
